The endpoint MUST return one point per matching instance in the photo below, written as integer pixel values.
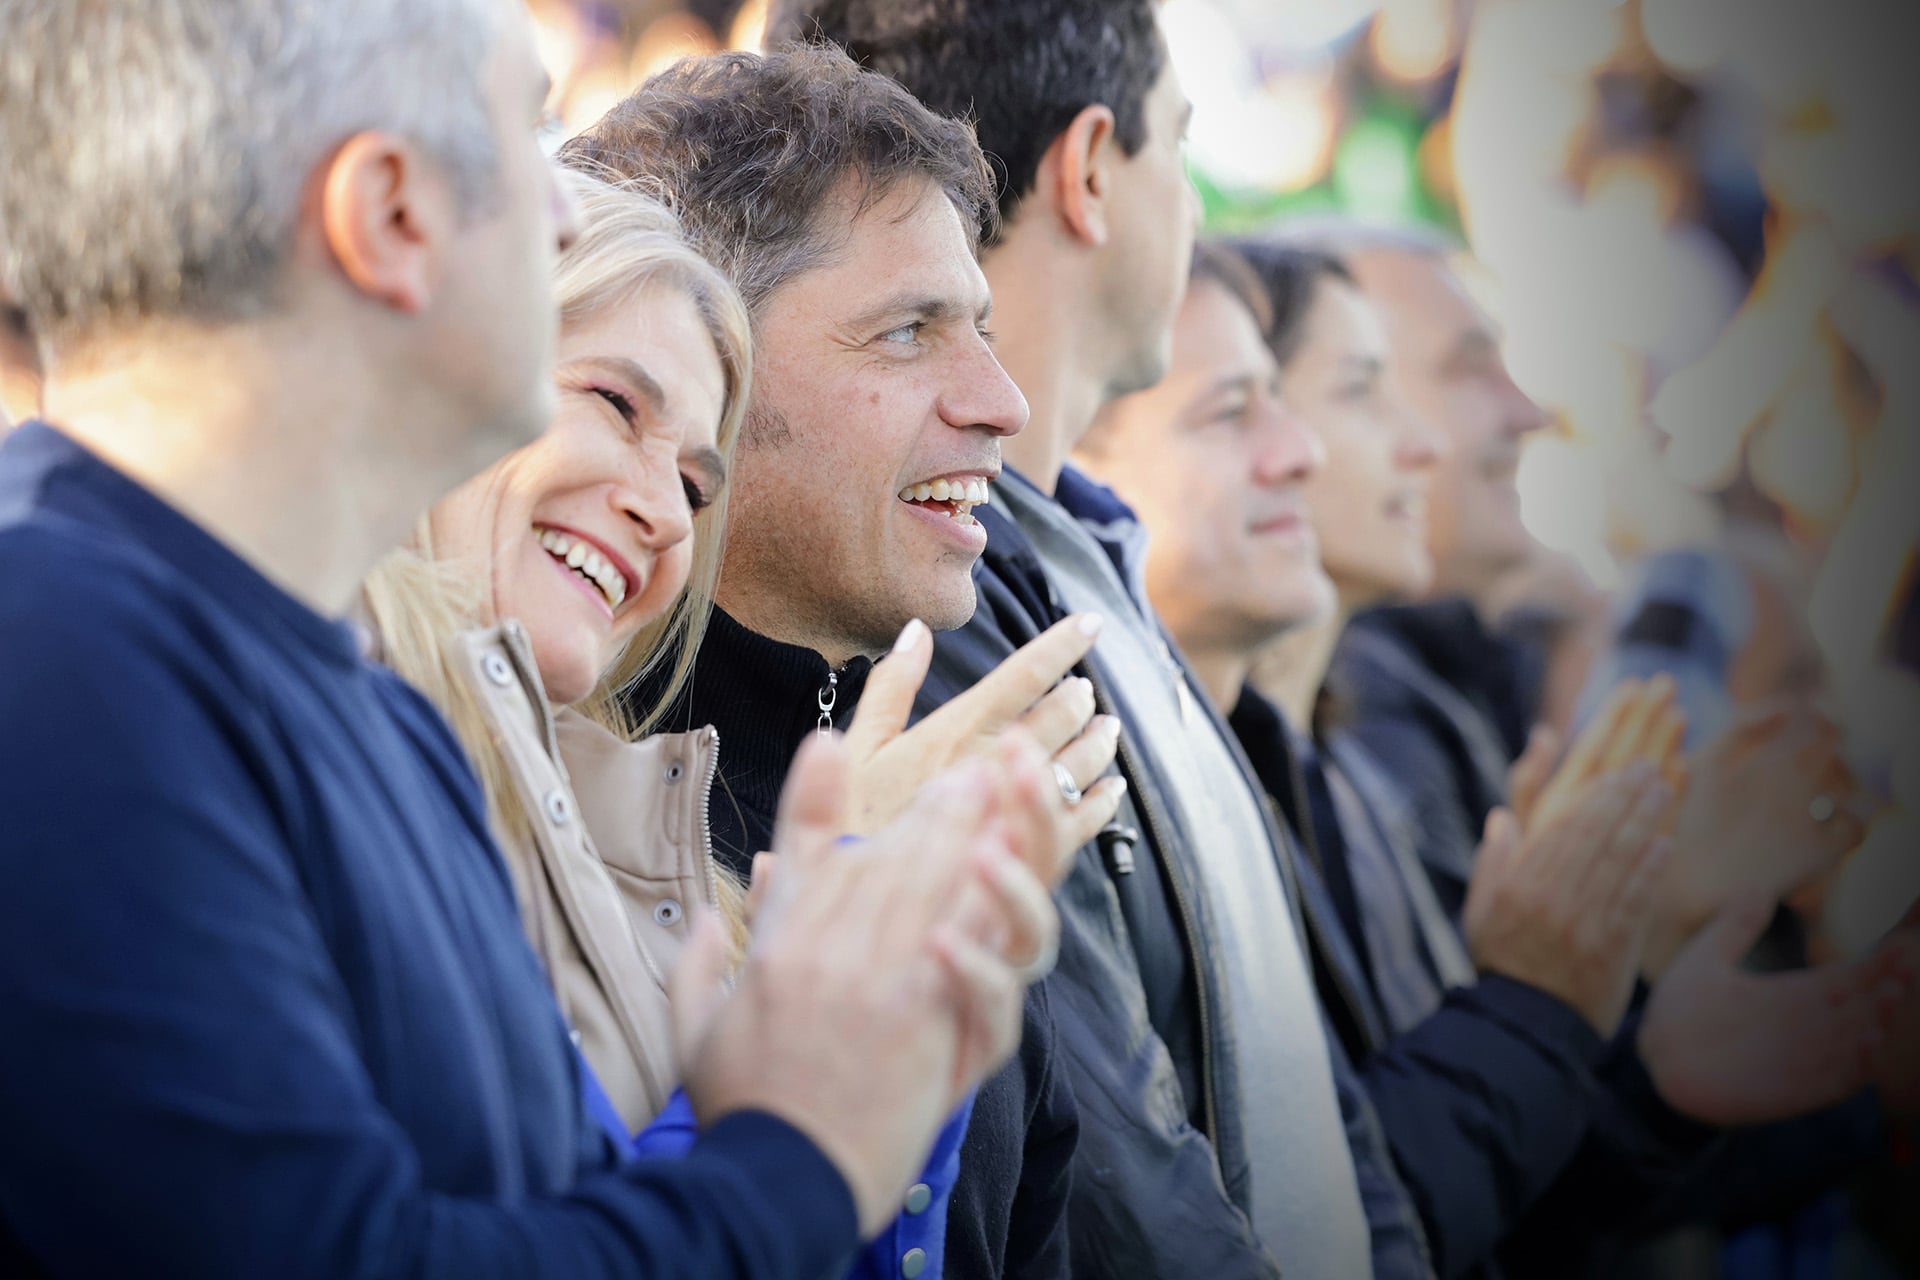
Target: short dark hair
(1020, 69)
(753, 150)
(1289, 275)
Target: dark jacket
(1133, 993)
(1487, 1099)
(265, 1002)
(1440, 703)
(1007, 1215)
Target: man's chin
(952, 609)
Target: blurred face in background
(1369, 501)
(1217, 466)
(1446, 356)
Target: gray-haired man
(266, 1005)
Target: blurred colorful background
(1698, 221)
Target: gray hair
(156, 151)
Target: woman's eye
(621, 405)
(697, 499)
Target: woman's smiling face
(585, 535)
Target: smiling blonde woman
(539, 590)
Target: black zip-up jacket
(1006, 1219)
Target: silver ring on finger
(1822, 808)
(1069, 789)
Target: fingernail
(1090, 624)
(910, 636)
(1111, 727)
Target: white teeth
(972, 489)
(586, 562)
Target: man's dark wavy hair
(1020, 69)
(756, 153)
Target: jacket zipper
(706, 814)
(1209, 1106)
(828, 695)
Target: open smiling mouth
(590, 565)
(955, 498)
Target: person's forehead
(1217, 345)
(1419, 297)
(910, 235)
(1346, 317)
(1214, 327)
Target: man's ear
(386, 214)
(1077, 171)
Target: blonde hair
(419, 603)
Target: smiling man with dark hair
(1220, 1128)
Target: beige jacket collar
(616, 853)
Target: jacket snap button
(497, 670)
(919, 1196)
(667, 913)
(559, 808)
(913, 1263)
(675, 771)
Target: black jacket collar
(764, 697)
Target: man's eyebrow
(927, 308)
(630, 372)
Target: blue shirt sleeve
(184, 1090)
(920, 1226)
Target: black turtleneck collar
(764, 698)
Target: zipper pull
(829, 694)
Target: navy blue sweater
(265, 1005)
